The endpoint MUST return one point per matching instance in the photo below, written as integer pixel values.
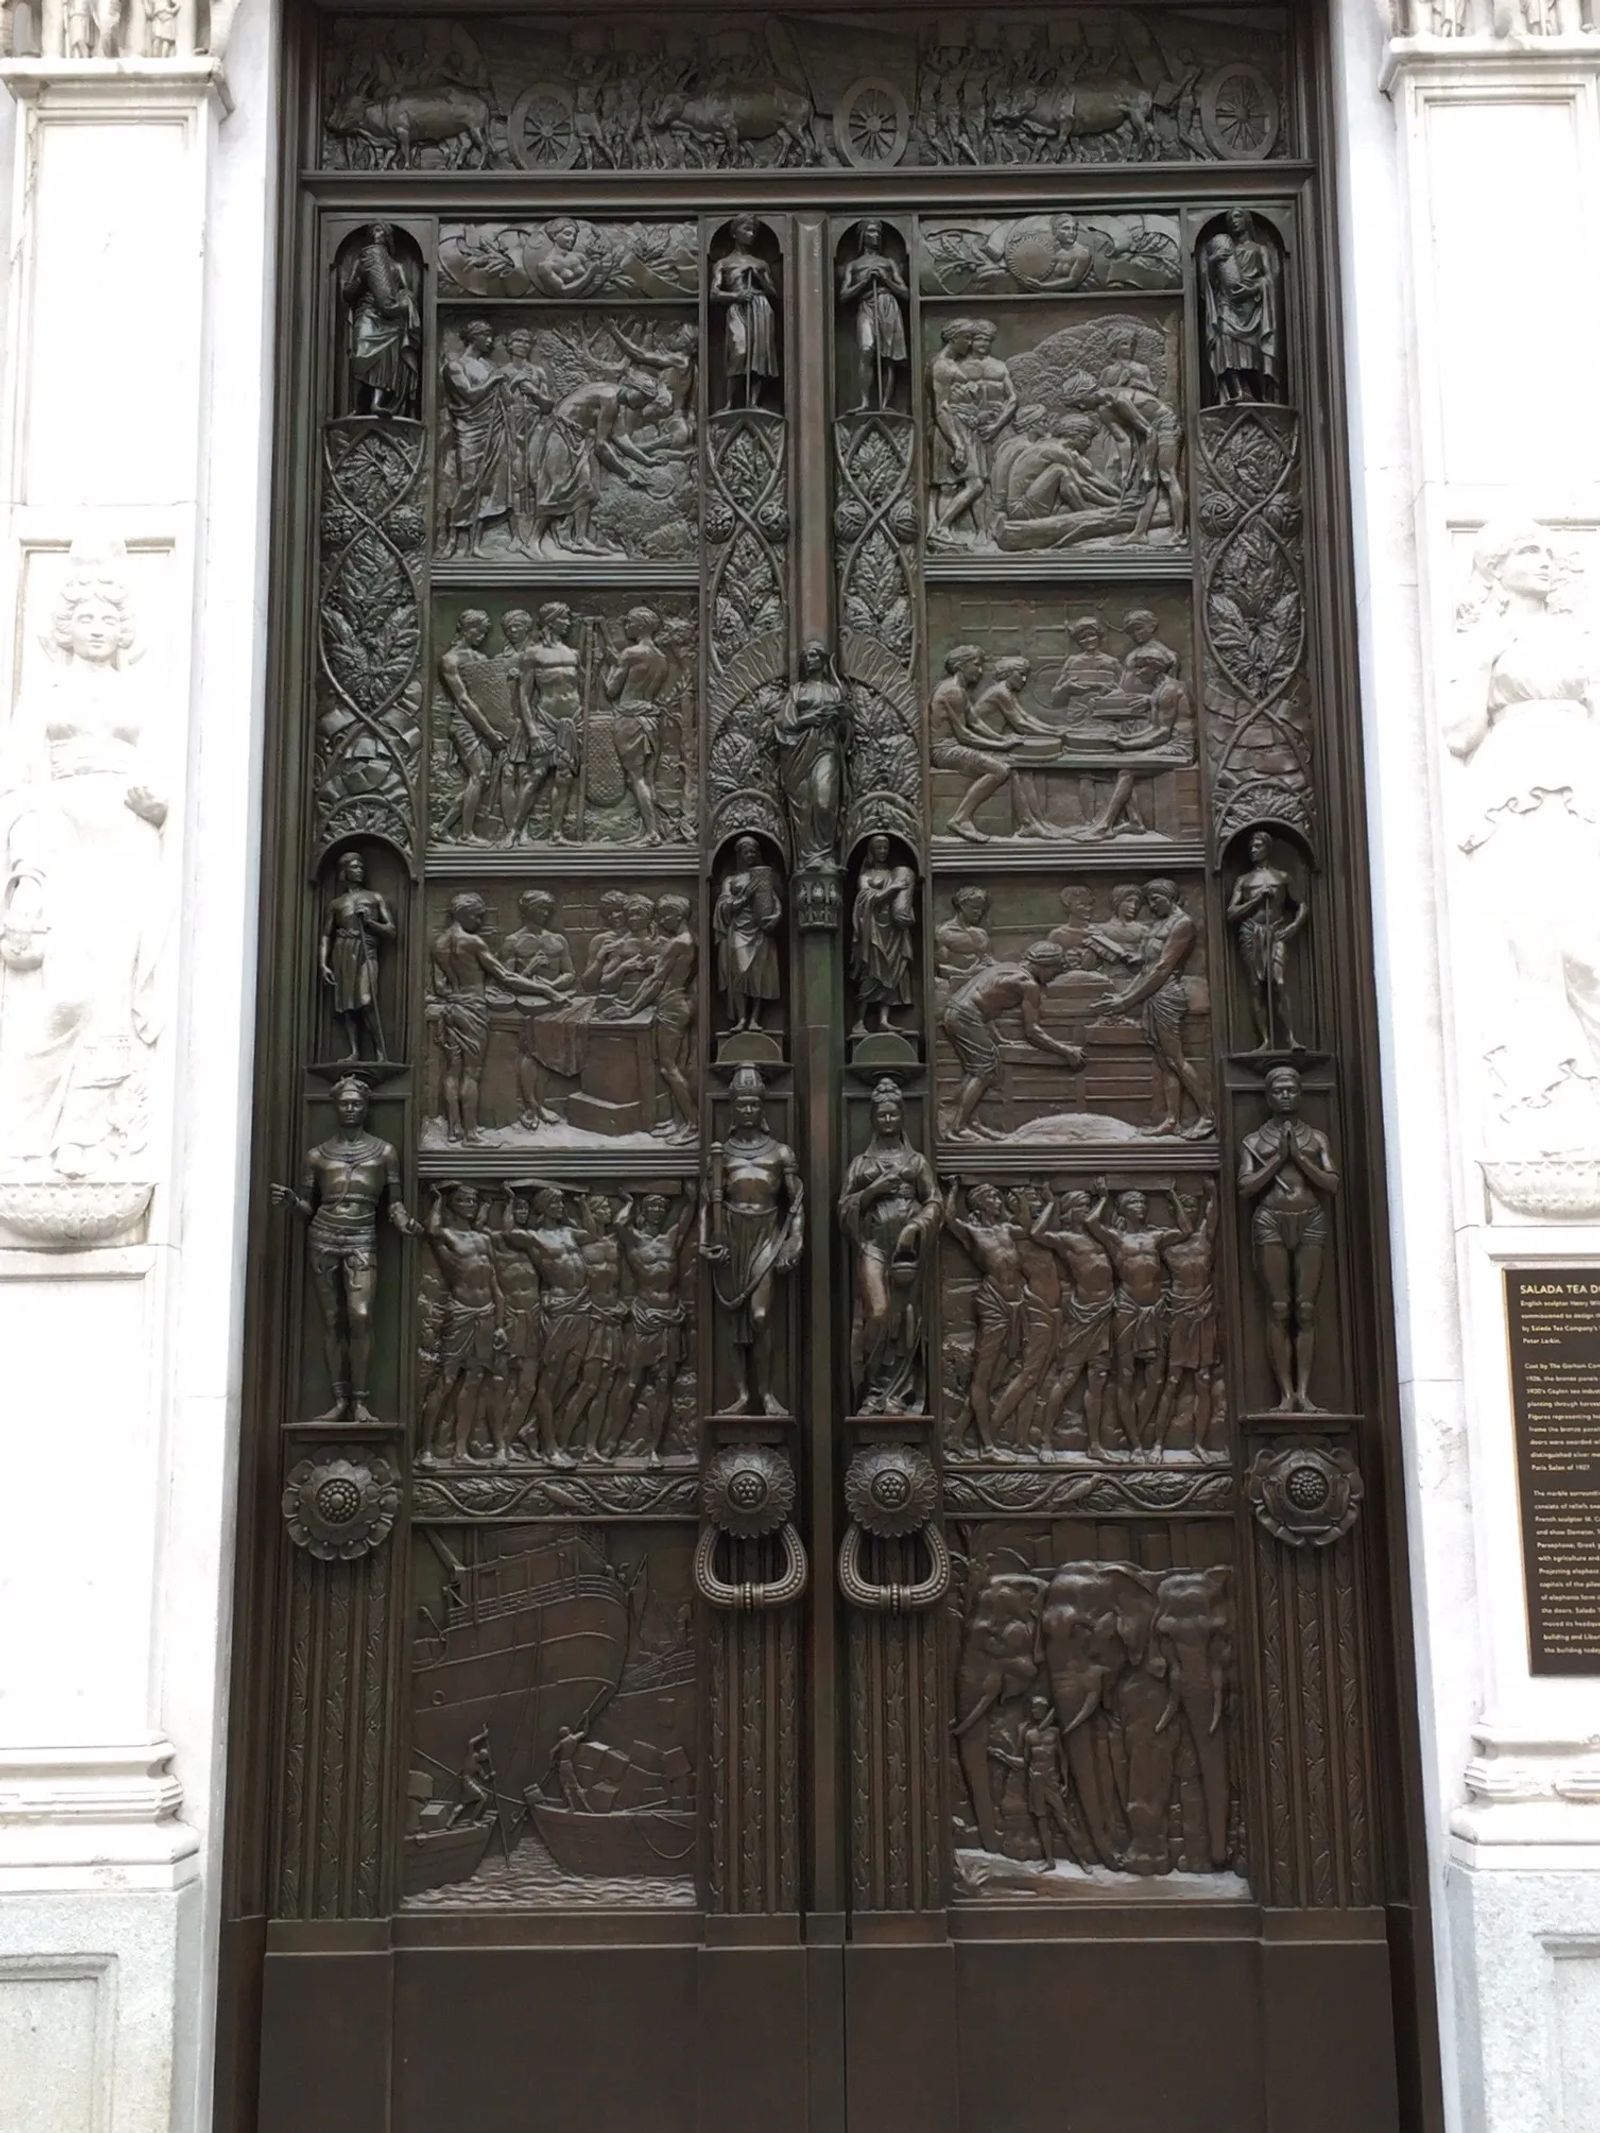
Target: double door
(821, 1424)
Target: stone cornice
(127, 82)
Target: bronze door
(821, 1425)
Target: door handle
(892, 1492)
(747, 1493)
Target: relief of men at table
(568, 439)
(572, 1028)
(1065, 748)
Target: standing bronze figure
(1286, 1169)
(742, 285)
(890, 1210)
(752, 1232)
(748, 913)
(385, 329)
(883, 928)
(346, 1180)
(357, 924)
(811, 730)
(1265, 918)
(875, 286)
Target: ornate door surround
(820, 1471)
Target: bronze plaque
(1554, 1318)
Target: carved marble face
(1529, 570)
(95, 629)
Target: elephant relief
(1111, 1681)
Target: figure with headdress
(345, 1182)
(752, 1233)
(890, 1210)
(385, 330)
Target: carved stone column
(1478, 500)
(129, 706)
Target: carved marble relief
(557, 1326)
(1072, 1017)
(1081, 1320)
(561, 1016)
(1007, 88)
(1253, 610)
(567, 258)
(1096, 1715)
(566, 721)
(84, 913)
(567, 436)
(1061, 719)
(1047, 436)
(554, 1757)
(1523, 787)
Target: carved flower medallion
(891, 1489)
(748, 1489)
(1305, 1494)
(339, 1509)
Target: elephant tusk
(1219, 1692)
(1171, 1711)
(1090, 1704)
(985, 1703)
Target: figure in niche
(345, 1182)
(1088, 1315)
(742, 286)
(811, 729)
(1266, 917)
(1039, 1761)
(357, 925)
(969, 1023)
(385, 330)
(1191, 1319)
(890, 1211)
(634, 680)
(528, 399)
(752, 1234)
(464, 966)
(873, 283)
(82, 898)
(478, 746)
(748, 914)
(1160, 959)
(477, 416)
(1241, 286)
(161, 28)
(470, 1340)
(961, 944)
(549, 703)
(537, 950)
(1286, 1171)
(1139, 1341)
(973, 400)
(883, 930)
(994, 1245)
(584, 433)
(1523, 724)
(652, 1243)
(667, 994)
(94, 29)
(960, 743)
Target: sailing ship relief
(553, 1721)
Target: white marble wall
(134, 456)
(1471, 158)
